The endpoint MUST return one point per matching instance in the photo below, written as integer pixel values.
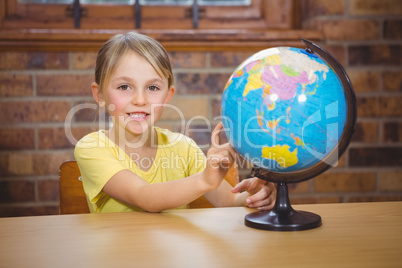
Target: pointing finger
(215, 140)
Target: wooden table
(352, 235)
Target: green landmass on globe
(284, 109)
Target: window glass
(200, 2)
(116, 2)
(166, 2)
(224, 2)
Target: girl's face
(135, 95)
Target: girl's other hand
(262, 193)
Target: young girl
(135, 166)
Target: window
(239, 24)
(155, 14)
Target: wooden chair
(72, 195)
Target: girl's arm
(128, 187)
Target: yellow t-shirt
(99, 159)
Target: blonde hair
(147, 47)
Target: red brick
(366, 132)
(33, 60)
(88, 112)
(312, 8)
(84, 60)
(342, 30)
(392, 81)
(365, 81)
(369, 55)
(56, 138)
(379, 106)
(393, 29)
(338, 52)
(49, 163)
(15, 85)
(33, 210)
(375, 7)
(64, 85)
(216, 107)
(375, 157)
(345, 182)
(48, 190)
(4, 163)
(367, 107)
(16, 164)
(229, 59)
(17, 138)
(301, 187)
(33, 111)
(33, 163)
(53, 138)
(390, 106)
(17, 191)
(187, 108)
(13, 60)
(47, 60)
(188, 59)
(392, 132)
(390, 181)
(201, 83)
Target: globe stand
(283, 217)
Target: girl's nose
(139, 98)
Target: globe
(290, 112)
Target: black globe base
(294, 221)
(283, 217)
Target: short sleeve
(97, 163)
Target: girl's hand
(262, 193)
(220, 157)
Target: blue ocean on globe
(284, 109)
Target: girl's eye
(124, 87)
(153, 88)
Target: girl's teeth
(137, 115)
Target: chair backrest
(72, 195)
(73, 199)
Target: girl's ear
(97, 94)
(170, 94)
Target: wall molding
(186, 40)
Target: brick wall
(366, 37)
(38, 89)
